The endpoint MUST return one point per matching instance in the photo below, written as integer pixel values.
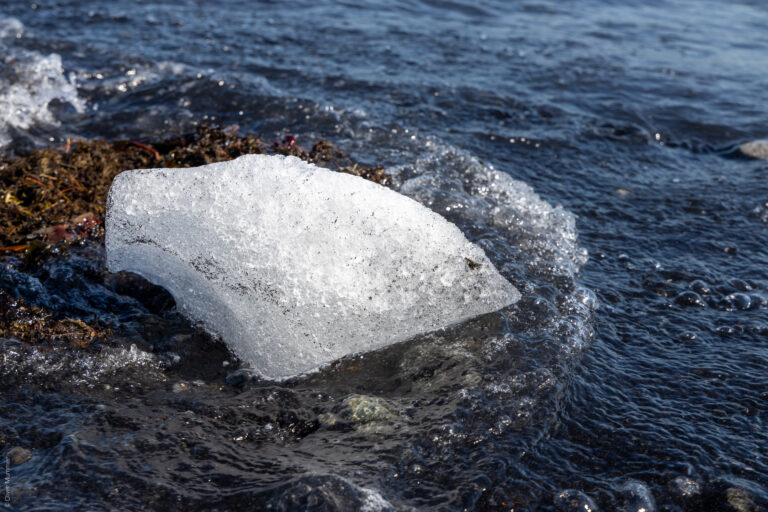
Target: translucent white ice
(294, 266)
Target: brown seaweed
(58, 194)
(29, 324)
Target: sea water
(590, 149)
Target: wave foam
(29, 83)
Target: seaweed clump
(34, 325)
(59, 194)
(325, 154)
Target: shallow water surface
(589, 147)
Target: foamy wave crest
(482, 199)
(29, 82)
(79, 368)
(11, 27)
(535, 245)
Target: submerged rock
(294, 266)
(18, 455)
(756, 149)
(684, 487)
(742, 500)
(368, 414)
(367, 409)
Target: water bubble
(739, 301)
(740, 285)
(689, 298)
(571, 500)
(11, 27)
(636, 497)
(700, 287)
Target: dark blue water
(637, 377)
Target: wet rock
(755, 149)
(689, 298)
(636, 497)
(684, 487)
(571, 500)
(237, 379)
(18, 455)
(687, 492)
(328, 419)
(178, 387)
(742, 500)
(367, 409)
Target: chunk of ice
(294, 266)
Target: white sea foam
(458, 186)
(532, 242)
(373, 501)
(295, 266)
(11, 27)
(78, 367)
(29, 82)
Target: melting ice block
(294, 266)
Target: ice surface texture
(294, 266)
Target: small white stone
(756, 149)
